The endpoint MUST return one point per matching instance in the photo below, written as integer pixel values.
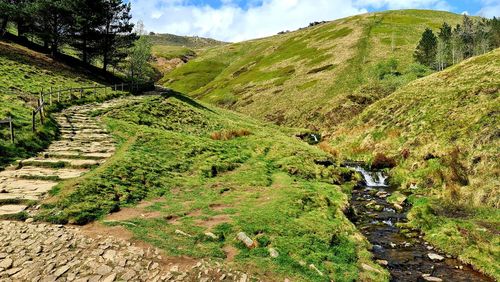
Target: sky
(238, 20)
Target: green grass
(23, 74)
(170, 52)
(265, 184)
(248, 76)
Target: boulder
(435, 257)
(246, 240)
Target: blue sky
(237, 20)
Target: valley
(322, 154)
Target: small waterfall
(369, 179)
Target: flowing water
(403, 251)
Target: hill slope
(315, 77)
(444, 132)
(184, 41)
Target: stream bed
(403, 252)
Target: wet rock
(398, 207)
(246, 240)
(382, 262)
(435, 257)
(369, 268)
(396, 198)
(428, 277)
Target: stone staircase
(84, 144)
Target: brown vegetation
(229, 134)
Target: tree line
(453, 45)
(96, 29)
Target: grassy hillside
(183, 41)
(23, 74)
(315, 77)
(200, 169)
(443, 130)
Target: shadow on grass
(169, 93)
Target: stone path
(44, 252)
(84, 144)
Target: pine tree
(426, 50)
(467, 35)
(457, 46)
(89, 16)
(481, 37)
(116, 32)
(53, 20)
(495, 32)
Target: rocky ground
(43, 252)
(32, 251)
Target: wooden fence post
(50, 96)
(33, 121)
(81, 92)
(59, 95)
(11, 130)
(122, 86)
(95, 88)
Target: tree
(116, 32)
(495, 32)
(467, 35)
(457, 46)
(85, 37)
(482, 34)
(444, 36)
(426, 49)
(138, 59)
(441, 54)
(18, 12)
(53, 20)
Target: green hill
(315, 77)
(443, 131)
(167, 39)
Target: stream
(403, 252)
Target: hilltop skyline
(239, 20)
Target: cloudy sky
(237, 20)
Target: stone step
(76, 155)
(84, 131)
(34, 172)
(12, 209)
(86, 136)
(47, 162)
(25, 186)
(80, 149)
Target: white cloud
(490, 9)
(405, 4)
(232, 23)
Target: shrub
(229, 134)
(327, 148)
(382, 161)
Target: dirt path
(32, 251)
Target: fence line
(42, 102)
